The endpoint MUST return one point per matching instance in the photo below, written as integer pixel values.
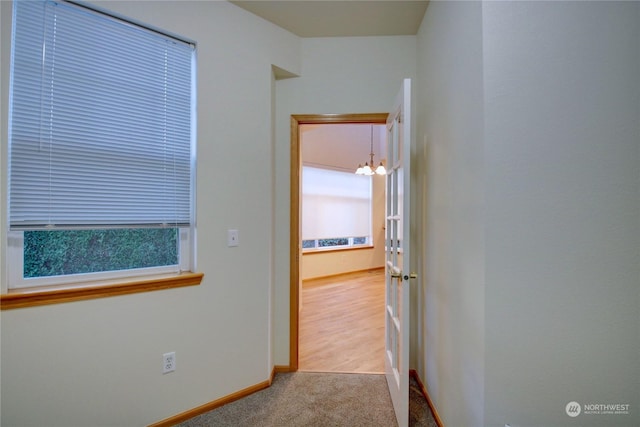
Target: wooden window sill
(31, 297)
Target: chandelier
(367, 169)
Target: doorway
(295, 213)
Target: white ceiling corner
(347, 18)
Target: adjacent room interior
(342, 248)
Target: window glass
(309, 244)
(359, 240)
(323, 243)
(60, 252)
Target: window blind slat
(100, 121)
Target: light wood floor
(342, 323)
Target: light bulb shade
(360, 170)
(380, 170)
(367, 169)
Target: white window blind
(335, 204)
(101, 121)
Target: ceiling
(347, 18)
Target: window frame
(349, 246)
(15, 265)
(22, 292)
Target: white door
(397, 254)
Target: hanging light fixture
(367, 169)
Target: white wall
(531, 135)
(448, 305)
(98, 362)
(562, 162)
(339, 75)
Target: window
(336, 209)
(341, 242)
(101, 147)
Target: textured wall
(562, 150)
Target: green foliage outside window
(333, 242)
(61, 252)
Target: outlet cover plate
(168, 362)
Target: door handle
(405, 277)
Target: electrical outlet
(168, 362)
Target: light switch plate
(233, 238)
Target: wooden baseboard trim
(272, 376)
(184, 416)
(436, 417)
(282, 369)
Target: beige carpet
(317, 399)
